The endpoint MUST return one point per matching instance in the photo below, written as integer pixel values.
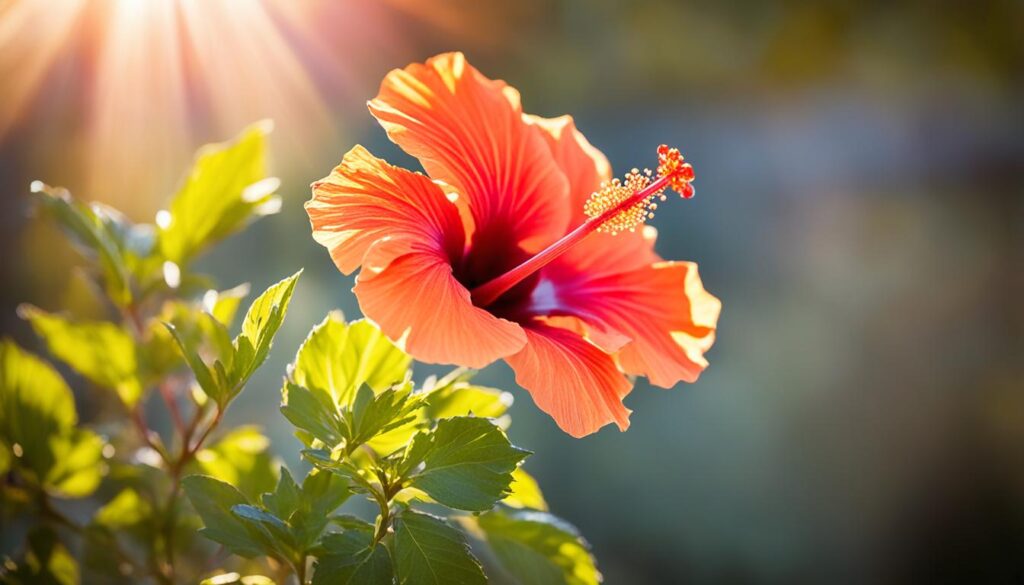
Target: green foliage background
(433, 458)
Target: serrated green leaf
(538, 548)
(98, 350)
(91, 231)
(464, 463)
(286, 497)
(430, 552)
(273, 531)
(525, 492)
(350, 558)
(375, 414)
(241, 458)
(463, 399)
(339, 357)
(313, 412)
(322, 494)
(225, 190)
(262, 321)
(451, 396)
(213, 500)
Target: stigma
(623, 205)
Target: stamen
(616, 207)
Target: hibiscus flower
(507, 247)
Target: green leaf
(91, 230)
(538, 548)
(241, 458)
(35, 405)
(225, 190)
(46, 562)
(448, 397)
(286, 498)
(339, 357)
(236, 579)
(463, 399)
(38, 424)
(314, 413)
(223, 305)
(322, 494)
(306, 509)
(430, 552)
(213, 500)
(79, 464)
(262, 320)
(375, 414)
(464, 463)
(272, 531)
(525, 492)
(217, 387)
(100, 351)
(350, 558)
(126, 509)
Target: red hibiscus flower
(507, 248)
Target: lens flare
(131, 86)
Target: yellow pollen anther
(614, 192)
(623, 205)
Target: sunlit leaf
(223, 305)
(314, 413)
(430, 552)
(91, 231)
(374, 414)
(241, 458)
(78, 466)
(98, 350)
(538, 548)
(38, 426)
(464, 463)
(262, 320)
(217, 387)
(237, 579)
(462, 399)
(339, 357)
(126, 509)
(226, 189)
(525, 492)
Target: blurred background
(859, 210)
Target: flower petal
(467, 130)
(690, 319)
(365, 199)
(583, 165)
(571, 379)
(405, 233)
(661, 308)
(417, 301)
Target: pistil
(617, 206)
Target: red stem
(487, 293)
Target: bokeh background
(859, 210)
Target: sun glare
(138, 83)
